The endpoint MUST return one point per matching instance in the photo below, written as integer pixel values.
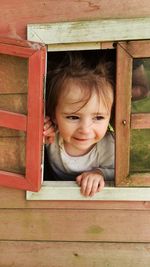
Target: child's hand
(48, 132)
(90, 182)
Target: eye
(98, 118)
(72, 117)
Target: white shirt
(67, 167)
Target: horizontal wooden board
(14, 102)
(140, 121)
(73, 254)
(12, 154)
(52, 11)
(69, 190)
(17, 199)
(7, 132)
(13, 74)
(75, 225)
(13, 120)
(90, 31)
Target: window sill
(70, 191)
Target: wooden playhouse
(45, 223)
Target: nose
(85, 126)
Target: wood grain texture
(140, 121)
(16, 199)
(90, 31)
(73, 254)
(14, 102)
(54, 11)
(12, 154)
(75, 225)
(62, 190)
(13, 120)
(122, 122)
(13, 74)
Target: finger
(49, 132)
(48, 125)
(101, 185)
(95, 187)
(84, 182)
(46, 119)
(89, 186)
(78, 179)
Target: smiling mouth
(82, 139)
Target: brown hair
(76, 69)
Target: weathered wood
(70, 191)
(12, 154)
(122, 122)
(136, 179)
(140, 121)
(73, 254)
(90, 31)
(52, 11)
(80, 46)
(139, 49)
(14, 103)
(17, 199)
(6, 132)
(35, 55)
(13, 74)
(75, 225)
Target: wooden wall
(73, 234)
(15, 15)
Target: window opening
(91, 57)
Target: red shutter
(30, 123)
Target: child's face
(81, 127)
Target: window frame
(73, 36)
(126, 53)
(35, 53)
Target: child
(79, 107)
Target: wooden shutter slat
(13, 120)
(140, 121)
(15, 178)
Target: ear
(54, 122)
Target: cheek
(101, 130)
(64, 128)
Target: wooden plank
(75, 225)
(34, 145)
(139, 49)
(90, 31)
(140, 121)
(16, 70)
(6, 132)
(136, 179)
(17, 199)
(13, 120)
(52, 11)
(71, 191)
(14, 102)
(74, 46)
(80, 46)
(12, 154)
(123, 103)
(14, 50)
(73, 254)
